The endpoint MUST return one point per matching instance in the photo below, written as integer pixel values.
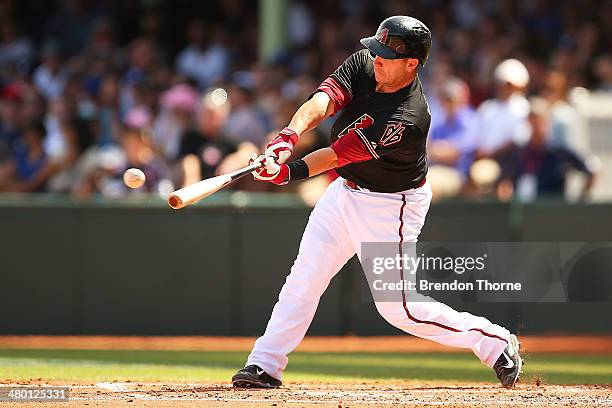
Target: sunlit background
(187, 90)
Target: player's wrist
(298, 170)
(289, 135)
(294, 171)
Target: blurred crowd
(89, 88)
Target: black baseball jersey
(393, 126)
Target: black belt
(354, 186)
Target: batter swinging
(378, 148)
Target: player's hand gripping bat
(202, 189)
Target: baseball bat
(202, 189)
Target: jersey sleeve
(348, 72)
(336, 92)
(351, 148)
(340, 86)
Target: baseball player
(382, 195)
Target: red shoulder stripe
(336, 92)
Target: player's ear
(412, 64)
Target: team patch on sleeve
(394, 131)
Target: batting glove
(271, 172)
(282, 145)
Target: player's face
(390, 71)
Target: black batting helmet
(400, 37)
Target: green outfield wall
(138, 267)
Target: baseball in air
(133, 178)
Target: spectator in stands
(139, 154)
(68, 137)
(539, 169)
(603, 70)
(50, 77)
(452, 139)
(143, 60)
(177, 107)
(57, 144)
(30, 169)
(500, 119)
(103, 167)
(204, 146)
(10, 102)
(563, 116)
(16, 52)
(205, 59)
(246, 121)
(108, 110)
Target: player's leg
(438, 322)
(324, 249)
(399, 218)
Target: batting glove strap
(282, 145)
(289, 135)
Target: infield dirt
(335, 395)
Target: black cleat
(509, 364)
(254, 377)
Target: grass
(186, 366)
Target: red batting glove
(271, 172)
(282, 145)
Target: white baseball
(133, 178)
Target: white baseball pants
(343, 219)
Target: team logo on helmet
(382, 35)
(393, 133)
